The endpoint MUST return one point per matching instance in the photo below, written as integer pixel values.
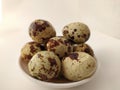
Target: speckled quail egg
(77, 32)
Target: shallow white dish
(56, 83)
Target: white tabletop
(107, 51)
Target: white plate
(53, 84)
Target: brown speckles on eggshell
(41, 30)
(87, 50)
(27, 57)
(32, 49)
(65, 32)
(84, 36)
(79, 69)
(52, 49)
(66, 53)
(69, 36)
(66, 42)
(75, 30)
(29, 49)
(74, 56)
(79, 76)
(69, 49)
(43, 77)
(46, 67)
(34, 33)
(58, 55)
(40, 56)
(52, 61)
(43, 38)
(83, 48)
(79, 61)
(78, 36)
(46, 24)
(33, 69)
(36, 26)
(78, 32)
(72, 37)
(60, 45)
(89, 66)
(52, 43)
(40, 27)
(61, 41)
